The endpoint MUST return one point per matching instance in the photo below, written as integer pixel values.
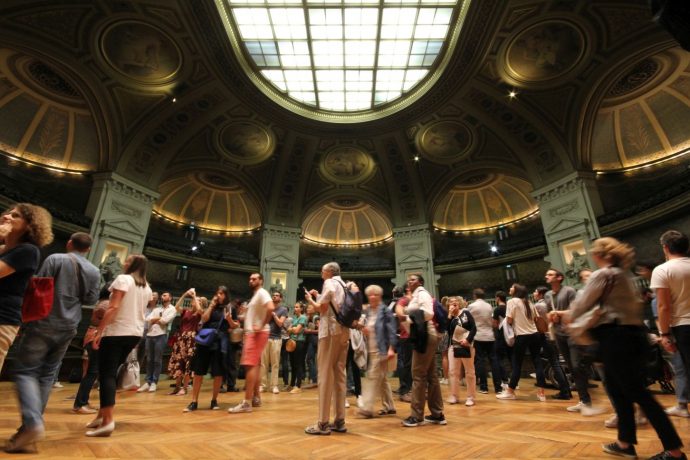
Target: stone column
(414, 254)
(568, 208)
(120, 211)
(279, 260)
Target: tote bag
(38, 298)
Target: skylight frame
(406, 91)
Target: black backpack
(351, 309)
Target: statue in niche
(572, 269)
(110, 268)
(277, 287)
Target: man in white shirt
(671, 281)
(156, 340)
(484, 340)
(425, 385)
(260, 311)
(333, 344)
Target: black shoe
(233, 390)
(614, 449)
(191, 407)
(440, 420)
(411, 421)
(666, 456)
(562, 396)
(214, 405)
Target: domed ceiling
(483, 201)
(645, 115)
(209, 199)
(46, 119)
(346, 223)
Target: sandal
(318, 429)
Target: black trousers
(285, 363)
(484, 351)
(297, 363)
(233, 364)
(111, 354)
(354, 371)
(405, 367)
(551, 352)
(622, 349)
(579, 359)
(531, 342)
(682, 336)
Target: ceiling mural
(644, 116)
(141, 52)
(245, 142)
(482, 201)
(447, 141)
(210, 199)
(45, 118)
(543, 53)
(346, 222)
(346, 165)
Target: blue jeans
(39, 356)
(87, 381)
(681, 362)
(154, 356)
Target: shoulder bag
(578, 330)
(207, 335)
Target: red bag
(38, 298)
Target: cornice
(125, 187)
(563, 187)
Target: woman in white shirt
(461, 332)
(520, 314)
(118, 333)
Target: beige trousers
(376, 384)
(330, 360)
(7, 335)
(425, 377)
(456, 366)
(271, 357)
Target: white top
(166, 315)
(333, 293)
(675, 276)
(522, 325)
(129, 320)
(421, 299)
(256, 311)
(482, 312)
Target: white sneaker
(611, 422)
(506, 395)
(58, 385)
(276, 390)
(347, 404)
(589, 411)
(360, 402)
(262, 388)
(244, 406)
(452, 400)
(504, 386)
(576, 408)
(678, 411)
(469, 402)
(443, 381)
(143, 388)
(152, 388)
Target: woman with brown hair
(23, 229)
(118, 333)
(623, 347)
(520, 313)
(179, 366)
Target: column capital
(123, 186)
(281, 231)
(578, 180)
(411, 231)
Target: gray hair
(333, 268)
(373, 289)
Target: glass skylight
(342, 55)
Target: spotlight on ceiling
(416, 158)
(512, 94)
(492, 247)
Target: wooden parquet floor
(152, 426)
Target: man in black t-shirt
(503, 351)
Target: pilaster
(414, 254)
(280, 258)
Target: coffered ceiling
(154, 90)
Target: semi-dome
(46, 119)
(209, 199)
(483, 201)
(645, 115)
(346, 223)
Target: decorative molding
(563, 187)
(568, 207)
(413, 231)
(124, 209)
(287, 233)
(131, 191)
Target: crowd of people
(607, 327)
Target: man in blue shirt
(43, 343)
